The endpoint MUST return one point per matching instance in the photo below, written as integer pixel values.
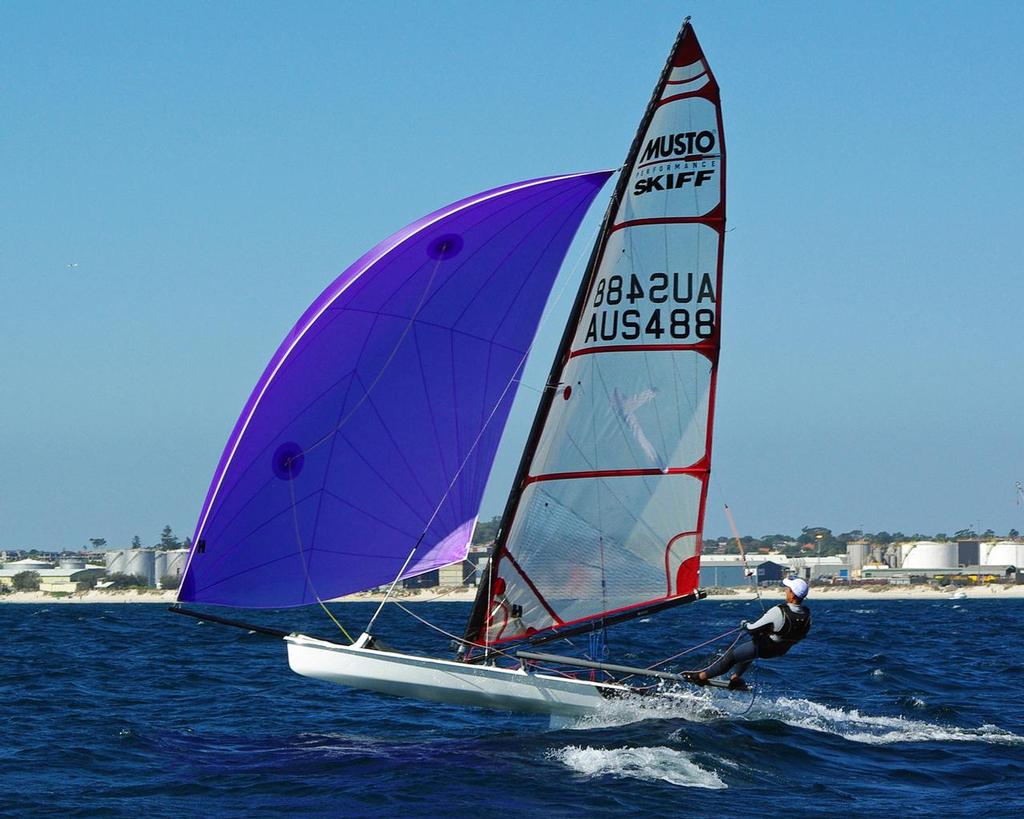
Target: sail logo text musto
(678, 145)
(691, 154)
(646, 308)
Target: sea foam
(875, 730)
(650, 764)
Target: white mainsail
(608, 507)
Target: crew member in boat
(775, 633)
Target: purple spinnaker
(373, 428)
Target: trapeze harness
(795, 625)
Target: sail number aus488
(625, 308)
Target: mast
(478, 617)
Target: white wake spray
(706, 706)
(857, 727)
(649, 764)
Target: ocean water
(913, 708)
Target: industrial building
(945, 561)
(727, 571)
(819, 568)
(68, 576)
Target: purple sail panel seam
(550, 204)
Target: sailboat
(360, 458)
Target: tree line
(168, 542)
(816, 540)
(820, 540)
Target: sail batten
(607, 511)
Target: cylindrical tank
(28, 565)
(928, 554)
(72, 565)
(159, 565)
(142, 562)
(116, 561)
(1006, 553)
(857, 554)
(176, 562)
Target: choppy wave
(648, 764)
(878, 730)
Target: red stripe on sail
(715, 222)
(698, 469)
(708, 348)
(598, 616)
(684, 82)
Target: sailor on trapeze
(778, 630)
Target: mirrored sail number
(646, 309)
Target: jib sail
(608, 508)
(371, 433)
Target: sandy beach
(989, 592)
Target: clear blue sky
(209, 167)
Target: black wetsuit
(781, 628)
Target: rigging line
(458, 639)
(743, 555)
(302, 555)
(444, 497)
(692, 649)
(464, 641)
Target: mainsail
(607, 510)
(363, 451)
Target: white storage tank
(116, 561)
(857, 554)
(1005, 553)
(159, 565)
(142, 562)
(929, 554)
(28, 565)
(176, 561)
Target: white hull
(426, 678)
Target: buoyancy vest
(795, 626)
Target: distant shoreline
(989, 592)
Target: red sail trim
(707, 348)
(703, 73)
(668, 552)
(533, 588)
(687, 50)
(595, 617)
(699, 468)
(714, 222)
(688, 575)
(708, 92)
